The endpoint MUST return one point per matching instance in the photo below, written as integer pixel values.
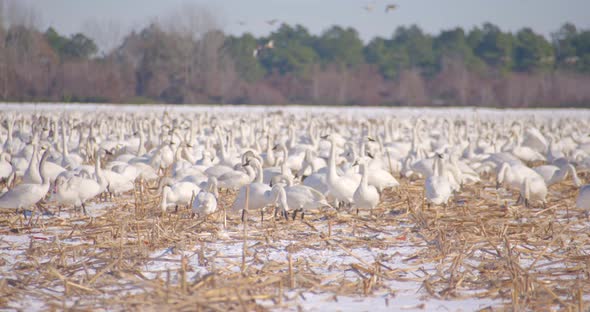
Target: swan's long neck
(165, 193)
(505, 173)
(44, 178)
(285, 153)
(365, 175)
(259, 173)
(436, 167)
(332, 162)
(63, 139)
(141, 148)
(98, 170)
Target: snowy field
(483, 250)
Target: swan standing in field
(437, 187)
(76, 190)
(341, 187)
(205, 202)
(380, 178)
(514, 176)
(33, 174)
(116, 182)
(180, 193)
(259, 193)
(26, 195)
(366, 196)
(533, 190)
(300, 198)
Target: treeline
(481, 66)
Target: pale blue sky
(544, 16)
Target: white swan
(341, 187)
(26, 195)
(33, 174)
(379, 178)
(180, 193)
(116, 182)
(76, 190)
(533, 190)
(205, 203)
(366, 196)
(437, 187)
(301, 198)
(259, 194)
(514, 177)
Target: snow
(328, 261)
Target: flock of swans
(296, 162)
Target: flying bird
(272, 21)
(390, 7)
(269, 45)
(241, 23)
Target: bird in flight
(272, 21)
(390, 7)
(269, 45)
(241, 23)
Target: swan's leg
(84, 209)
(243, 214)
(286, 214)
(302, 214)
(294, 214)
(261, 216)
(176, 208)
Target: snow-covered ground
(331, 263)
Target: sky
(239, 16)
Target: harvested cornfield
(481, 251)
